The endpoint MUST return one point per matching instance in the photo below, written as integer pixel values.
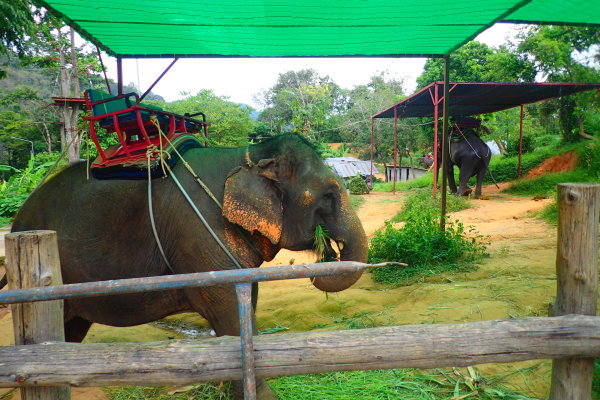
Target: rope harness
(161, 155)
(487, 167)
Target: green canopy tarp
(309, 28)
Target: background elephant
(471, 155)
(274, 195)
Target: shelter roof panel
(480, 98)
(564, 12)
(276, 28)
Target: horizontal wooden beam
(181, 362)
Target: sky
(241, 79)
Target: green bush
(425, 248)
(18, 187)
(513, 146)
(357, 185)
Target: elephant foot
(467, 192)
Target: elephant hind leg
(76, 329)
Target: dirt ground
(517, 280)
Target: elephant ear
(252, 200)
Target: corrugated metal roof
(349, 166)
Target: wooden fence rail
(39, 362)
(180, 362)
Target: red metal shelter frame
(474, 99)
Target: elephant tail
(3, 282)
(492, 176)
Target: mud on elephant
(273, 196)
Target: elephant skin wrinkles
(104, 230)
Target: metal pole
(180, 281)
(158, 79)
(520, 140)
(119, 75)
(435, 139)
(25, 140)
(445, 150)
(395, 150)
(103, 70)
(372, 146)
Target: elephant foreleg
(480, 177)
(464, 175)
(219, 306)
(451, 180)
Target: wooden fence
(40, 363)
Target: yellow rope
(185, 163)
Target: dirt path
(517, 280)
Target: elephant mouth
(325, 247)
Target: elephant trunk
(353, 247)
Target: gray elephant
(273, 195)
(471, 155)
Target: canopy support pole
(395, 150)
(372, 148)
(445, 150)
(158, 79)
(435, 139)
(119, 76)
(520, 140)
(103, 70)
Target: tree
(24, 116)
(230, 122)
(355, 123)
(477, 62)
(16, 26)
(560, 54)
(300, 101)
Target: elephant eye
(329, 200)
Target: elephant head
(284, 192)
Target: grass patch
(356, 201)
(425, 248)
(406, 384)
(544, 185)
(5, 221)
(422, 202)
(403, 186)
(207, 391)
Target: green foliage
(406, 384)
(16, 24)
(230, 122)
(16, 190)
(300, 101)
(422, 201)
(425, 248)
(402, 186)
(546, 184)
(512, 148)
(477, 62)
(357, 185)
(506, 168)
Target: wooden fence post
(32, 261)
(577, 280)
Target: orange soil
(559, 163)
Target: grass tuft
(422, 201)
